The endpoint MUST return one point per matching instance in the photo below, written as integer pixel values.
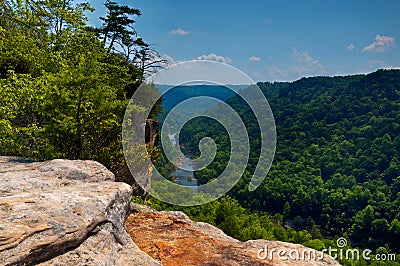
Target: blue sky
(273, 40)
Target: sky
(277, 40)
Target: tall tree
(147, 59)
(45, 16)
(118, 24)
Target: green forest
(336, 171)
(65, 85)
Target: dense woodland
(336, 171)
(64, 87)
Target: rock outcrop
(64, 213)
(149, 128)
(172, 238)
(151, 134)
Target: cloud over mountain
(380, 44)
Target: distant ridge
(336, 168)
(178, 94)
(163, 87)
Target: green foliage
(227, 214)
(337, 157)
(62, 93)
(117, 26)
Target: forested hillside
(178, 94)
(64, 85)
(336, 170)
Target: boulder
(172, 238)
(64, 212)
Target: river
(183, 177)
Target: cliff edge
(172, 238)
(63, 212)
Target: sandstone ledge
(64, 213)
(172, 238)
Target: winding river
(183, 177)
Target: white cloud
(308, 65)
(276, 74)
(179, 31)
(301, 56)
(210, 57)
(380, 44)
(200, 71)
(161, 59)
(376, 63)
(214, 57)
(169, 58)
(351, 47)
(255, 59)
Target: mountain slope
(337, 162)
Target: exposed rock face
(173, 239)
(151, 135)
(73, 213)
(149, 128)
(64, 213)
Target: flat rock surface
(64, 212)
(172, 238)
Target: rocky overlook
(64, 212)
(173, 239)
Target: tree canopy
(64, 85)
(336, 169)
